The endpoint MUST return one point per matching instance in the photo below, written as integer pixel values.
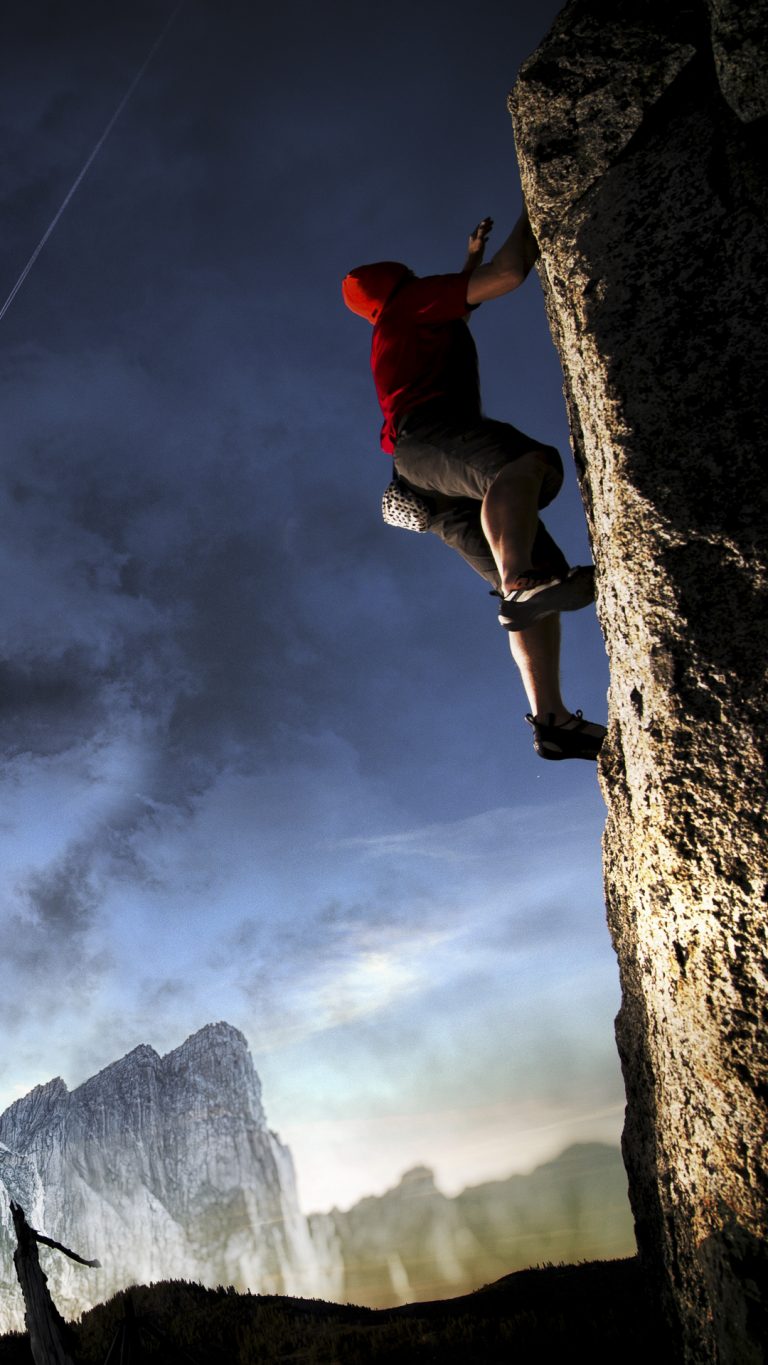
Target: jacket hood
(367, 288)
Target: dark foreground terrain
(598, 1310)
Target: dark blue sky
(266, 758)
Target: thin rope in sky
(84, 171)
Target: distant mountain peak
(37, 1105)
(209, 1035)
(422, 1177)
(143, 1050)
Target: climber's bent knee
(439, 453)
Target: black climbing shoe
(540, 594)
(575, 738)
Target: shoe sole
(552, 751)
(570, 594)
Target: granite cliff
(640, 130)
(162, 1167)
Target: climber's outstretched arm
(509, 267)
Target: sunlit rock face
(160, 1167)
(640, 128)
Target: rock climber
(478, 484)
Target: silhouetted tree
(48, 1332)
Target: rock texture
(414, 1243)
(162, 1167)
(640, 129)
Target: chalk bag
(400, 506)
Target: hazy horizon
(549, 1152)
(166, 1168)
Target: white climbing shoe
(540, 594)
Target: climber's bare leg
(510, 516)
(510, 519)
(536, 651)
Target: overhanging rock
(639, 128)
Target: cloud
(314, 977)
(62, 899)
(49, 964)
(45, 704)
(504, 831)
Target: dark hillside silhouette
(599, 1309)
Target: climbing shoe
(539, 593)
(574, 738)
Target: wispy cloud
(501, 831)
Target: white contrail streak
(86, 167)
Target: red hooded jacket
(422, 351)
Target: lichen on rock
(640, 128)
